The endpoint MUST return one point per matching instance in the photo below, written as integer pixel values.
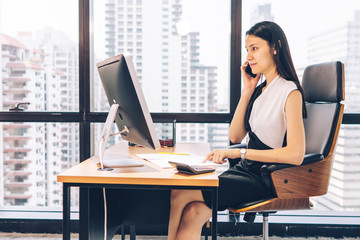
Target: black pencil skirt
(238, 185)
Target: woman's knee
(196, 211)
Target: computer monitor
(130, 110)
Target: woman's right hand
(249, 82)
(237, 127)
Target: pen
(173, 153)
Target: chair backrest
(323, 86)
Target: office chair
(323, 86)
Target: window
(73, 77)
(28, 58)
(313, 41)
(39, 64)
(198, 38)
(31, 162)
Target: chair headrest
(324, 82)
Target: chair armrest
(267, 169)
(239, 145)
(308, 159)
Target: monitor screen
(122, 87)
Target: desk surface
(149, 174)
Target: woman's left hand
(220, 155)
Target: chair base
(265, 226)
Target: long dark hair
(275, 36)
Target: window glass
(171, 47)
(31, 156)
(344, 188)
(39, 54)
(214, 134)
(319, 34)
(316, 36)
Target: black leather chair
(323, 86)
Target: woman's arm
(237, 128)
(293, 153)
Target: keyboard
(191, 168)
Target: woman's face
(260, 55)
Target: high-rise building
(22, 79)
(261, 12)
(62, 58)
(43, 72)
(167, 62)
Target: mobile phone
(249, 72)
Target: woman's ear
(276, 48)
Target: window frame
(85, 116)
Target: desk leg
(214, 213)
(84, 233)
(66, 211)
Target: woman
(270, 114)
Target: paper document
(162, 159)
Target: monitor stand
(114, 160)
(110, 160)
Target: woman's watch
(242, 152)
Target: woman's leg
(179, 199)
(193, 218)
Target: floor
(17, 236)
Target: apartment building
(165, 59)
(43, 72)
(23, 80)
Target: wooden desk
(151, 176)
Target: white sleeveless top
(267, 119)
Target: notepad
(162, 159)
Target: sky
(21, 16)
